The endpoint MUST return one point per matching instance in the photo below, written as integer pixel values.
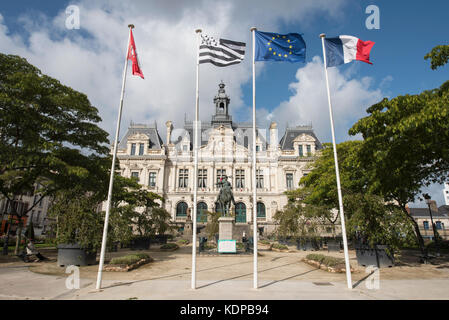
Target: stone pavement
(282, 276)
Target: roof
(291, 134)
(424, 212)
(149, 130)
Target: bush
(129, 259)
(169, 246)
(210, 245)
(280, 246)
(326, 260)
(442, 244)
(266, 242)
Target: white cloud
(91, 59)
(308, 103)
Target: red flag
(132, 55)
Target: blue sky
(90, 59)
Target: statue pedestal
(226, 228)
(188, 230)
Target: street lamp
(428, 201)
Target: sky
(90, 59)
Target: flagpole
(195, 172)
(255, 282)
(340, 198)
(111, 180)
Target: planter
(140, 244)
(333, 246)
(378, 256)
(73, 254)
(125, 267)
(336, 269)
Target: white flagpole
(195, 172)
(255, 282)
(111, 180)
(340, 198)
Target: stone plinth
(226, 228)
(188, 229)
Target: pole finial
(253, 29)
(198, 30)
(131, 26)
(323, 35)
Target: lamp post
(428, 201)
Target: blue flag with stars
(280, 47)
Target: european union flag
(280, 47)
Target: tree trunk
(417, 232)
(18, 237)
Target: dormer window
(133, 149)
(222, 107)
(301, 151)
(309, 150)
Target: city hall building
(225, 149)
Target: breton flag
(345, 49)
(280, 47)
(132, 55)
(221, 53)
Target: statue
(225, 196)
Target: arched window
(260, 210)
(201, 215)
(240, 212)
(181, 209)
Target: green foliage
(376, 222)
(439, 56)
(265, 242)
(183, 242)
(212, 226)
(169, 246)
(326, 260)
(48, 134)
(129, 259)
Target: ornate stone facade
(226, 148)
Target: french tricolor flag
(344, 49)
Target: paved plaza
(282, 276)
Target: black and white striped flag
(221, 53)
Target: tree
(48, 135)
(439, 56)
(406, 144)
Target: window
(426, 225)
(260, 210)
(220, 174)
(202, 178)
(438, 225)
(184, 148)
(257, 148)
(141, 146)
(135, 175)
(38, 217)
(240, 178)
(289, 177)
(240, 212)
(245, 141)
(183, 178)
(181, 209)
(201, 212)
(152, 179)
(40, 203)
(259, 179)
(301, 151)
(133, 149)
(309, 150)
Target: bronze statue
(225, 196)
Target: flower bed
(279, 247)
(327, 263)
(169, 247)
(182, 242)
(128, 262)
